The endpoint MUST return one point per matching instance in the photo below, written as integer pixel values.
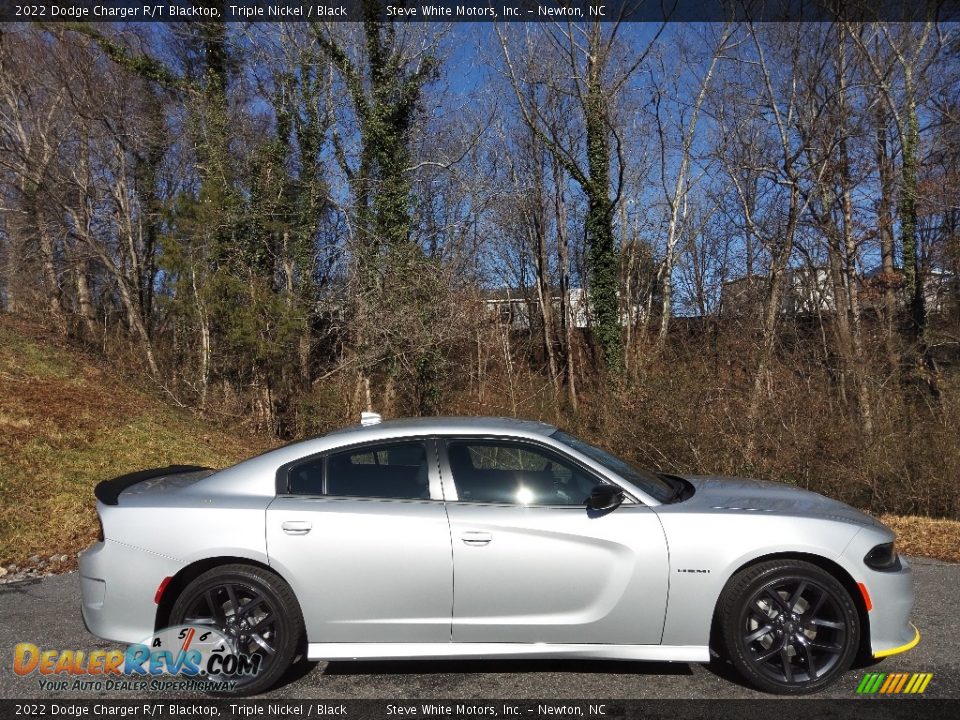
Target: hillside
(68, 421)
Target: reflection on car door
(366, 545)
(531, 564)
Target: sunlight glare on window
(524, 496)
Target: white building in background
(809, 291)
(513, 307)
(939, 288)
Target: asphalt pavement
(46, 612)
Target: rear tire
(252, 607)
(788, 626)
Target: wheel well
(192, 571)
(841, 575)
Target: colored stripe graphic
(890, 683)
(913, 681)
(894, 683)
(863, 683)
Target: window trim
(450, 493)
(436, 495)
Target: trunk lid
(148, 482)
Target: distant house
(809, 291)
(940, 287)
(744, 295)
(509, 306)
(513, 306)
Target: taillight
(158, 596)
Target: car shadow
(297, 671)
(725, 671)
(444, 667)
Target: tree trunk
(51, 284)
(913, 272)
(205, 347)
(137, 325)
(771, 314)
(885, 231)
(83, 300)
(851, 281)
(601, 242)
(538, 228)
(678, 217)
(566, 312)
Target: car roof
(447, 426)
(255, 476)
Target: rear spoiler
(108, 491)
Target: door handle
(477, 538)
(296, 527)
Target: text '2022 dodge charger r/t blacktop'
(493, 538)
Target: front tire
(253, 608)
(789, 627)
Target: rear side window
(395, 470)
(306, 478)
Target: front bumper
(118, 584)
(901, 648)
(891, 631)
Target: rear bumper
(117, 585)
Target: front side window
(394, 470)
(653, 485)
(503, 471)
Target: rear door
(532, 564)
(362, 536)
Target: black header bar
(476, 10)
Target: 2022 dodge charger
(494, 538)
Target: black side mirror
(605, 498)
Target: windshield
(651, 484)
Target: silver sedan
(493, 538)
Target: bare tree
(589, 67)
(677, 197)
(911, 51)
(35, 120)
(772, 66)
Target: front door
(533, 565)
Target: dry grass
(67, 422)
(926, 537)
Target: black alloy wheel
(789, 627)
(255, 610)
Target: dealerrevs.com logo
(184, 657)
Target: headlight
(883, 558)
